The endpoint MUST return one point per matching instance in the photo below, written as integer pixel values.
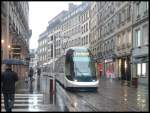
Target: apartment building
(71, 27)
(114, 38)
(85, 25)
(140, 57)
(93, 27)
(42, 48)
(16, 34)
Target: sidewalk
(37, 87)
(135, 98)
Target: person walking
(38, 71)
(31, 74)
(8, 80)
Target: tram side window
(69, 65)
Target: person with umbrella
(8, 80)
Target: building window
(145, 35)
(86, 26)
(87, 39)
(138, 10)
(129, 13)
(138, 38)
(119, 41)
(147, 6)
(119, 18)
(129, 37)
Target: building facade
(93, 27)
(16, 34)
(116, 32)
(33, 59)
(140, 57)
(71, 29)
(114, 39)
(85, 25)
(42, 48)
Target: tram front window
(84, 69)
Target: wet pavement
(111, 95)
(30, 97)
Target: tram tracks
(86, 105)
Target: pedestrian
(38, 71)
(31, 74)
(8, 80)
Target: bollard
(52, 91)
(135, 82)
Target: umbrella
(12, 62)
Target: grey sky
(39, 15)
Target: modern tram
(76, 69)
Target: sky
(40, 13)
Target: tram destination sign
(81, 53)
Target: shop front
(100, 70)
(141, 70)
(109, 69)
(124, 68)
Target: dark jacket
(31, 72)
(39, 71)
(8, 79)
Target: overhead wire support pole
(54, 87)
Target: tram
(76, 69)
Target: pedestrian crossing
(27, 103)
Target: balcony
(138, 17)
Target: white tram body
(76, 69)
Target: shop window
(138, 69)
(142, 69)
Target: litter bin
(135, 82)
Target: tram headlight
(93, 80)
(75, 80)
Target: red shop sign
(100, 67)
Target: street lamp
(2, 41)
(8, 46)
(9, 51)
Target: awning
(13, 62)
(140, 60)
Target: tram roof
(76, 48)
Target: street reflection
(38, 83)
(142, 98)
(31, 87)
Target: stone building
(85, 25)
(71, 29)
(93, 27)
(42, 48)
(140, 57)
(114, 38)
(15, 34)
